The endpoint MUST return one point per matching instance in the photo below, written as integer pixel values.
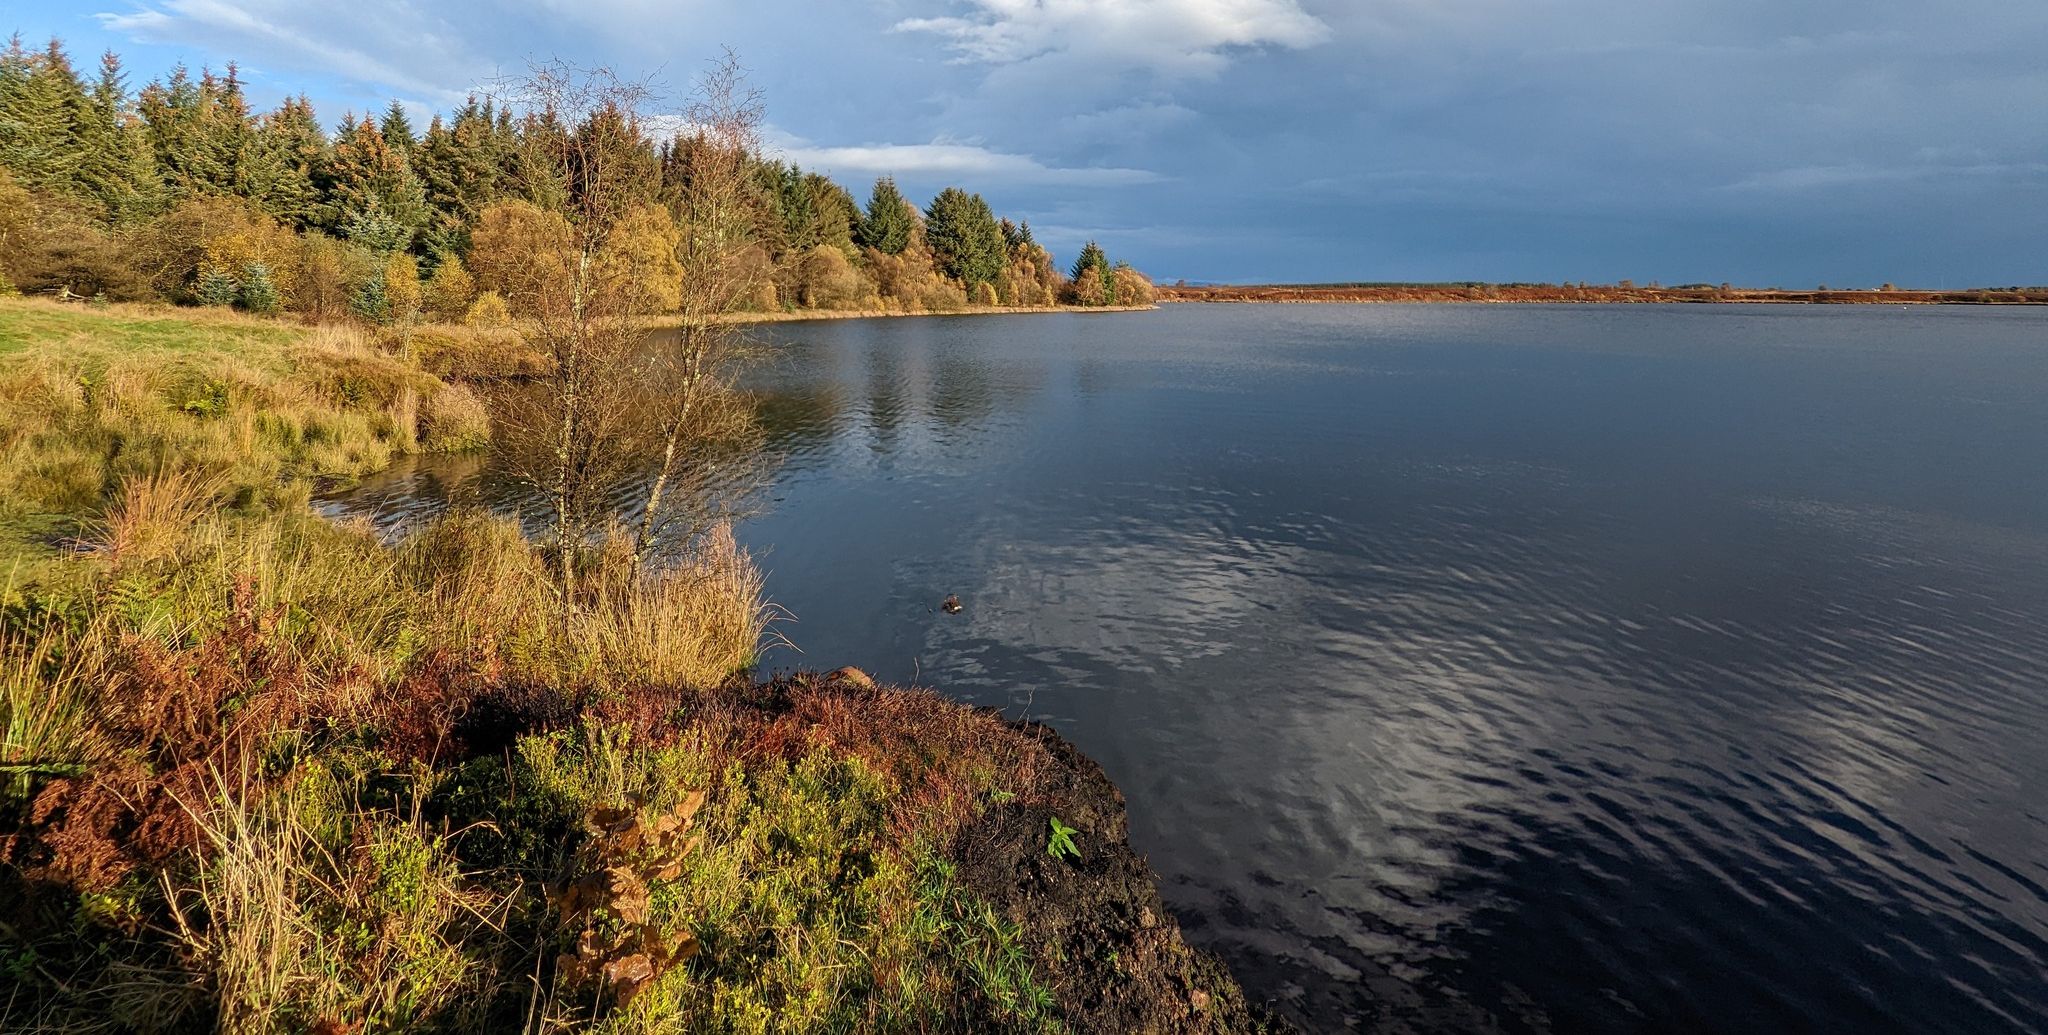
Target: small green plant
(1061, 845)
(209, 400)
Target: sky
(1764, 142)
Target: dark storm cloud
(1782, 142)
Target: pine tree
(888, 221)
(397, 129)
(966, 242)
(287, 154)
(373, 197)
(258, 291)
(42, 107)
(1091, 258)
(117, 171)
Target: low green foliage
(1061, 844)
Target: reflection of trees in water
(803, 396)
(888, 396)
(962, 390)
(797, 420)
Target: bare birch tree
(701, 427)
(576, 433)
(623, 418)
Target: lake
(1469, 668)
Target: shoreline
(806, 316)
(1517, 294)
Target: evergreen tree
(258, 291)
(287, 155)
(1092, 259)
(199, 131)
(966, 242)
(373, 197)
(216, 287)
(887, 224)
(118, 170)
(370, 301)
(397, 129)
(42, 107)
(459, 165)
(836, 211)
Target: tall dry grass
(313, 914)
(691, 625)
(51, 689)
(155, 513)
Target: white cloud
(1170, 37)
(973, 164)
(281, 31)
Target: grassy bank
(265, 772)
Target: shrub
(448, 293)
(489, 310)
(643, 249)
(517, 251)
(259, 293)
(473, 353)
(321, 916)
(455, 419)
(371, 301)
(1132, 287)
(326, 277)
(402, 293)
(826, 279)
(216, 287)
(208, 232)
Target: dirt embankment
(1121, 965)
(1101, 939)
(1589, 294)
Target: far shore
(1561, 293)
(803, 315)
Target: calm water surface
(1475, 668)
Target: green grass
(31, 326)
(91, 399)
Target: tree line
(180, 192)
